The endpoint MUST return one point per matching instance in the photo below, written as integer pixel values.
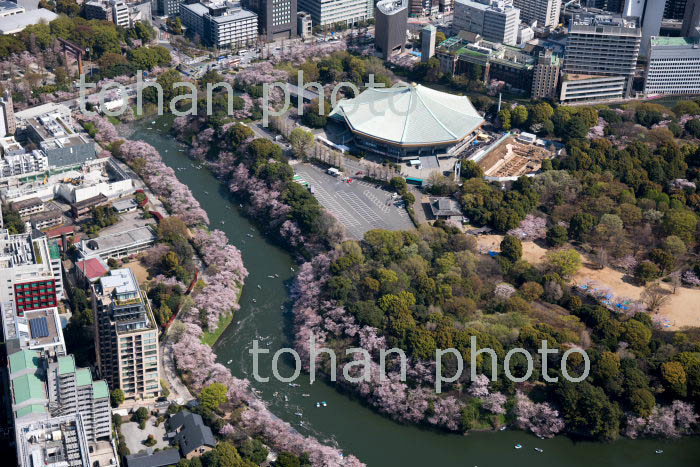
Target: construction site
(513, 157)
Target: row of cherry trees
(197, 363)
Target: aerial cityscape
(337, 233)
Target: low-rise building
(84, 207)
(27, 207)
(16, 22)
(188, 431)
(46, 219)
(445, 208)
(118, 245)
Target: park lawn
(210, 338)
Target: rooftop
(83, 377)
(412, 115)
(391, 7)
(92, 268)
(24, 360)
(106, 243)
(122, 281)
(153, 459)
(100, 389)
(66, 365)
(658, 41)
(28, 387)
(15, 23)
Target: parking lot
(359, 206)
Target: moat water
(345, 422)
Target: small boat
(240, 205)
(539, 449)
(255, 301)
(271, 277)
(503, 428)
(298, 414)
(324, 404)
(249, 235)
(318, 404)
(259, 286)
(153, 122)
(277, 275)
(206, 192)
(229, 362)
(518, 446)
(286, 399)
(305, 395)
(291, 269)
(659, 451)
(294, 385)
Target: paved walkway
(178, 390)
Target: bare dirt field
(139, 271)
(682, 308)
(513, 158)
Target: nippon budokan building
(405, 123)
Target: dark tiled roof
(192, 433)
(153, 459)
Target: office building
(582, 88)
(496, 21)
(277, 19)
(544, 12)
(650, 14)
(391, 23)
(167, 7)
(691, 19)
(221, 24)
(545, 76)
(345, 12)
(603, 45)
(673, 67)
(8, 125)
(674, 9)
(52, 129)
(304, 25)
(428, 34)
(126, 336)
(97, 10)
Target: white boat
(305, 395)
(659, 451)
(229, 362)
(539, 449)
(255, 301)
(286, 399)
(271, 277)
(318, 404)
(277, 275)
(518, 446)
(298, 414)
(324, 404)
(503, 428)
(206, 192)
(259, 286)
(249, 235)
(153, 122)
(294, 385)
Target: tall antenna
(499, 102)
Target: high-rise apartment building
(545, 75)
(277, 19)
(126, 336)
(603, 45)
(391, 18)
(545, 12)
(673, 67)
(345, 12)
(495, 21)
(650, 14)
(46, 390)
